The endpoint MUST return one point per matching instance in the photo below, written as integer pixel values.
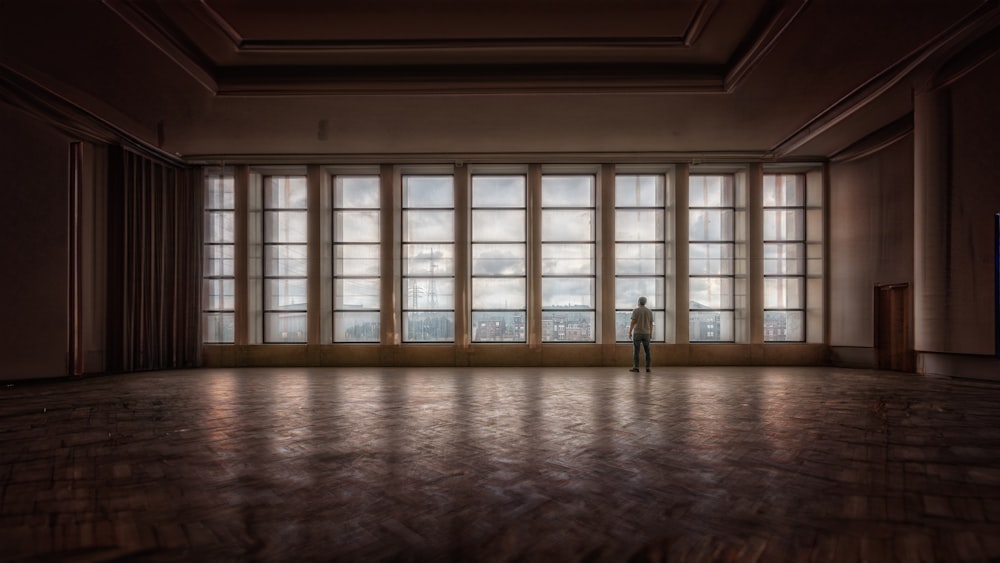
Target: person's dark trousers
(642, 339)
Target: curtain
(154, 263)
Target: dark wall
(33, 246)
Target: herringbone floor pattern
(597, 464)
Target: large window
(784, 257)
(712, 258)
(568, 258)
(356, 259)
(285, 237)
(640, 245)
(428, 258)
(218, 285)
(499, 297)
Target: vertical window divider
(314, 255)
(755, 268)
(606, 261)
(682, 255)
(462, 252)
(534, 266)
(390, 255)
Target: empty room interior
(353, 281)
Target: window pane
(711, 225)
(218, 260)
(286, 260)
(218, 294)
(285, 226)
(219, 226)
(284, 327)
(428, 191)
(711, 326)
(711, 293)
(784, 224)
(568, 225)
(567, 259)
(784, 293)
(356, 260)
(639, 225)
(784, 190)
(498, 260)
(356, 226)
(286, 192)
(784, 326)
(498, 191)
(711, 259)
(419, 326)
(629, 290)
(429, 259)
(285, 294)
(624, 318)
(568, 191)
(568, 293)
(497, 225)
(498, 326)
(639, 190)
(218, 328)
(710, 191)
(356, 327)
(784, 259)
(219, 192)
(498, 293)
(429, 293)
(639, 259)
(567, 326)
(354, 293)
(361, 192)
(428, 226)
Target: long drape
(154, 258)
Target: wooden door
(892, 327)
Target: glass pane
(498, 293)
(784, 293)
(711, 225)
(710, 191)
(428, 326)
(784, 190)
(356, 327)
(356, 260)
(218, 328)
(355, 293)
(289, 295)
(567, 326)
(428, 259)
(711, 293)
(285, 260)
(567, 225)
(498, 259)
(784, 259)
(219, 192)
(639, 190)
(711, 326)
(218, 295)
(784, 326)
(219, 226)
(356, 226)
(498, 191)
(638, 225)
(284, 226)
(284, 327)
(568, 191)
(498, 326)
(428, 191)
(497, 225)
(639, 259)
(711, 259)
(429, 293)
(568, 293)
(219, 259)
(567, 259)
(784, 224)
(624, 318)
(428, 226)
(629, 290)
(356, 192)
(285, 192)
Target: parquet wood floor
(497, 465)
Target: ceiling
(494, 80)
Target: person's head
(642, 301)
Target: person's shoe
(634, 369)
(647, 370)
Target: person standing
(640, 330)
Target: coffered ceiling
(360, 80)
